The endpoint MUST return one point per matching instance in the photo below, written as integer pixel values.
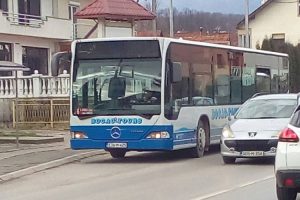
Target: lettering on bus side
(223, 113)
(116, 121)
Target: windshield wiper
(264, 118)
(120, 109)
(88, 116)
(258, 118)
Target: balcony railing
(24, 19)
(35, 85)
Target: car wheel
(286, 193)
(117, 153)
(228, 160)
(198, 151)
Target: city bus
(163, 94)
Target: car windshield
(267, 109)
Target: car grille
(251, 145)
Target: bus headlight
(79, 135)
(227, 132)
(159, 135)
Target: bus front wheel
(198, 151)
(117, 153)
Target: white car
(287, 162)
(254, 130)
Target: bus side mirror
(231, 118)
(60, 61)
(176, 72)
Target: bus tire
(117, 153)
(198, 151)
(207, 134)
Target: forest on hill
(193, 21)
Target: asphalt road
(149, 176)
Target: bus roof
(182, 41)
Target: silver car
(254, 130)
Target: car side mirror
(176, 72)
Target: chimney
(201, 30)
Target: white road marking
(208, 196)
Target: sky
(222, 6)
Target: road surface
(149, 176)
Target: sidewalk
(30, 158)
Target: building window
(5, 52)
(36, 59)
(220, 61)
(73, 8)
(5, 55)
(29, 9)
(3, 5)
(299, 7)
(243, 42)
(278, 40)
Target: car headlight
(159, 135)
(227, 132)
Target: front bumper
(283, 175)
(132, 145)
(235, 148)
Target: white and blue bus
(162, 94)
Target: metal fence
(35, 113)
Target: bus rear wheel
(198, 151)
(117, 153)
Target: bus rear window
(118, 49)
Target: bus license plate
(116, 145)
(253, 153)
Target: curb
(48, 165)
(31, 141)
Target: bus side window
(221, 77)
(263, 80)
(180, 91)
(236, 63)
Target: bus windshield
(128, 85)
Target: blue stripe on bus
(184, 136)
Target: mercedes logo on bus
(115, 133)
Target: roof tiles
(120, 10)
(217, 38)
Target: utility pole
(247, 44)
(171, 19)
(154, 7)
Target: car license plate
(116, 145)
(253, 153)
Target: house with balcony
(32, 30)
(276, 20)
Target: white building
(277, 20)
(32, 30)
